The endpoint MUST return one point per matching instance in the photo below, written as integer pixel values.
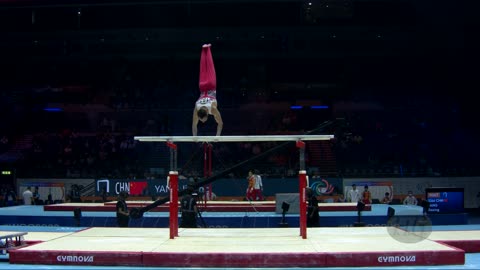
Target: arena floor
(444, 247)
(271, 248)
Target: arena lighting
(48, 109)
(314, 107)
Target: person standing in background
(189, 209)
(366, 196)
(122, 210)
(28, 196)
(251, 186)
(258, 187)
(353, 194)
(36, 196)
(313, 218)
(49, 198)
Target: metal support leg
(302, 185)
(173, 175)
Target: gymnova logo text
(74, 258)
(391, 259)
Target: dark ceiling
(393, 41)
(251, 29)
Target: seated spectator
(49, 199)
(75, 194)
(36, 196)
(410, 199)
(104, 195)
(386, 199)
(10, 197)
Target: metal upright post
(173, 207)
(205, 175)
(207, 170)
(302, 184)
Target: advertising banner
(221, 187)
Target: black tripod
(360, 208)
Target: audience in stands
(366, 144)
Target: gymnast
(206, 104)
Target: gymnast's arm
(194, 122)
(218, 118)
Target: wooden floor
(267, 247)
